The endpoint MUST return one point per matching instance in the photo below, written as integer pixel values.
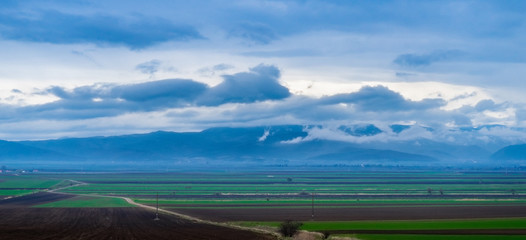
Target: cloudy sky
(90, 68)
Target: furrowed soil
(107, 223)
(33, 199)
(352, 214)
(20, 221)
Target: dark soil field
(107, 223)
(351, 214)
(33, 199)
(19, 221)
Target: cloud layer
(380, 98)
(254, 97)
(76, 68)
(419, 60)
(260, 83)
(62, 28)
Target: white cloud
(264, 136)
(334, 134)
(318, 53)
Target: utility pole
(157, 209)
(312, 205)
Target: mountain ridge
(284, 144)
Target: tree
(288, 228)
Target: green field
(320, 226)
(489, 186)
(300, 189)
(14, 185)
(86, 201)
(295, 189)
(433, 237)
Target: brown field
(19, 221)
(33, 199)
(351, 214)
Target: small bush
(288, 228)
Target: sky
(102, 68)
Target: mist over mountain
(264, 146)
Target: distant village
(5, 170)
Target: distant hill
(10, 151)
(270, 145)
(513, 152)
(439, 150)
(236, 146)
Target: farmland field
(107, 223)
(367, 205)
(15, 185)
(28, 217)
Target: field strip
(151, 208)
(183, 216)
(77, 183)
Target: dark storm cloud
(486, 104)
(149, 67)
(257, 33)
(213, 70)
(79, 93)
(221, 67)
(418, 60)
(259, 84)
(146, 96)
(170, 90)
(99, 100)
(61, 28)
(380, 98)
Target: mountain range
(264, 146)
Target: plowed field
(20, 221)
(352, 214)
